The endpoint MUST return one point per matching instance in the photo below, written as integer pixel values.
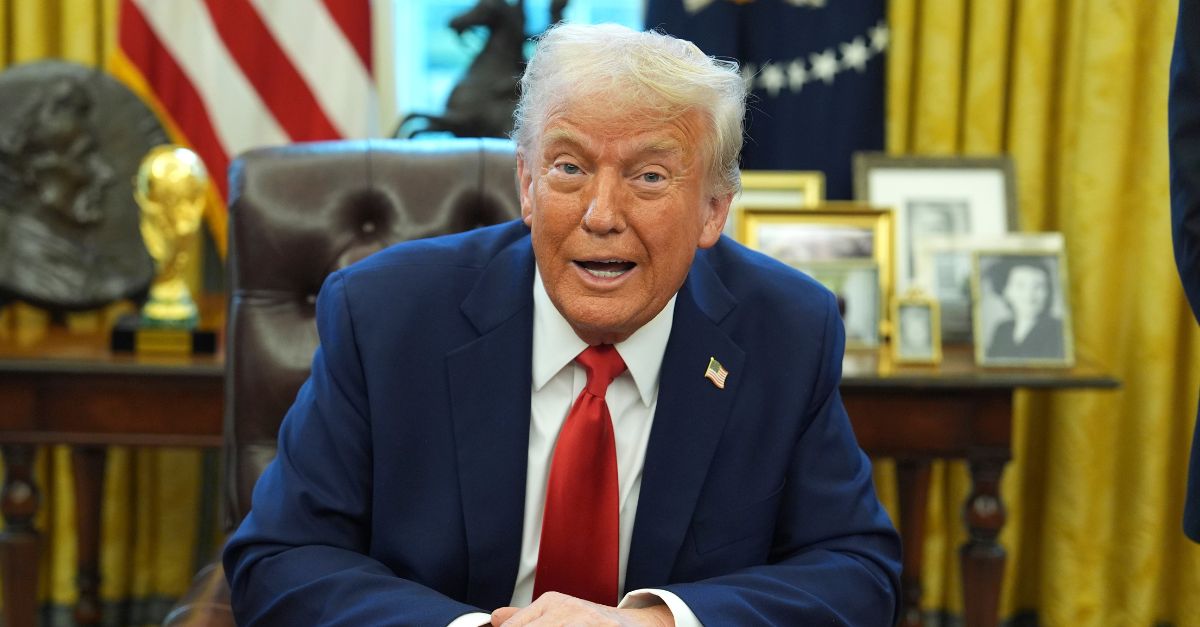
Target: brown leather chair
(297, 213)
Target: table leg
(19, 542)
(982, 558)
(88, 462)
(912, 478)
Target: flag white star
(797, 75)
(807, 3)
(855, 55)
(695, 6)
(824, 65)
(879, 37)
(771, 79)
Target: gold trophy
(170, 188)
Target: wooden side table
(70, 389)
(917, 414)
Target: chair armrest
(206, 603)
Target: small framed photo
(786, 190)
(1021, 314)
(782, 189)
(918, 336)
(845, 246)
(932, 196)
(830, 232)
(944, 270)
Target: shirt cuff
(474, 619)
(652, 596)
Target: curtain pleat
(1075, 91)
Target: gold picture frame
(783, 190)
(945, 195)
(839, 244)
(999, 293)
(917, 320)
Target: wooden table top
(874, 368)
(56, 350)
(53, 350)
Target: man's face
(617, 209)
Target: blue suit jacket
(1183, 112)
(398, 491)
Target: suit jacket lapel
(688, 423)
(490, 380)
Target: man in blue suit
(433, 469)
(1184, 129)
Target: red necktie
(578, 553)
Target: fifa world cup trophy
(170, 187)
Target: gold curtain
(1075, 91)
(155, 527)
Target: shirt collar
(555, 344)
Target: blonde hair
(649, 74)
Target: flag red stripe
(354, 18)
(270, 71)
(179, 98)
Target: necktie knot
(603, 364)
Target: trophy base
(132, 335)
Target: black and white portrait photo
(951, 283)
(928, 217)
(1021, 316)
(917, 335)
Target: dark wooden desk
(72, 390)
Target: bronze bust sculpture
(71, 138)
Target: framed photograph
(1021, 314)
(845, 246)
(856, 285)
(937, 196)
(830, 232)
(944, 270)
(918, 336)
(786, 190)
(782, 189)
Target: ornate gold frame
(918, 299)
(853, 214)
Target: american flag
(225, 76)
(716, 373)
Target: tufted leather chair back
(299, 212)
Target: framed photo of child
(918, 336)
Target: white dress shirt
(632, 398)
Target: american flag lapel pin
(716, 373)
